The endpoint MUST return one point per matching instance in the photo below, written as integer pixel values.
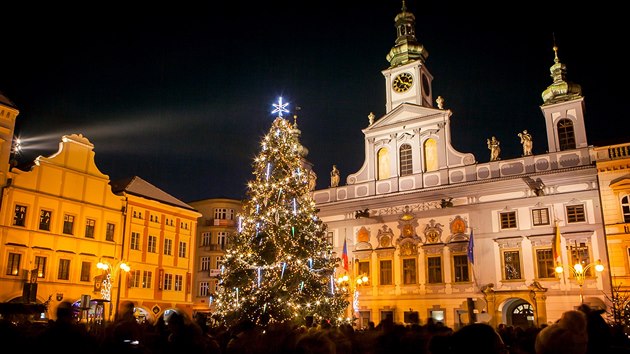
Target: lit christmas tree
(279, 266)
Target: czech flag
(344, 255)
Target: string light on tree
(279, 266)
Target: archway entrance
(519, 313)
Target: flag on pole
(344, 255)
(555, 246)
(471, 246)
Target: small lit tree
(278, 266)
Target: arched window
(566, 134)
(430, 155)
(406, 165)
(625, 208)
(383, 164)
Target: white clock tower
(407, 78)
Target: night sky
(181, 96)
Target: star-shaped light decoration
(280, 107)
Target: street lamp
(580, 272)
(107, 281)
(349, 286)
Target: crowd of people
(581, 331)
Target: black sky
(181, 95)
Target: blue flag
(471, 246)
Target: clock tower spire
(407, 79)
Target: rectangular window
(68, 224)
(179, 282)
(203, 288)
(575, 213)
(205, 264)
(460, 268)
(147, 278)
(406, 165)
(330, 238)
(544, 261)
(86, 268)
(135, 241)
(40, 264)
(182, 251)
(222, 239)
(512, 265)
(19, 218)
(168, 281)
(434, 270)
(168, 247)
(13, 264)
(580, 254)
(223, 213)
(217, 261)
(89, 228)
(109, 232)
(386, 272)
(508, 220)
(63, 272)
(540, 216)
(205, 239)
(152, 244)
(409, 271)
(364, 268)
(134, 278)
(44, 219)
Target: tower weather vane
(280, 107)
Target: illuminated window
(13, 264)
(205, 264)
(168, 281)
(511, 265)
(205, 239)
(224, 214)
(364, 268)
(222, 239)
(134, 276)
(19, 218)
(430, 155)
(44, 219)
(40, 265)
(382, 164)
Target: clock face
(402, 82)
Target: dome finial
(404, 6)
(555, 49)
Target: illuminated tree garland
(278, 266)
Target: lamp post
(351, 286)
(107, 282)
(580, 273)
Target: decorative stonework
(385, 237)
(433, 232)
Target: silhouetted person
(125, 334)
(480, 336)
(567, 336)
(65, 334)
